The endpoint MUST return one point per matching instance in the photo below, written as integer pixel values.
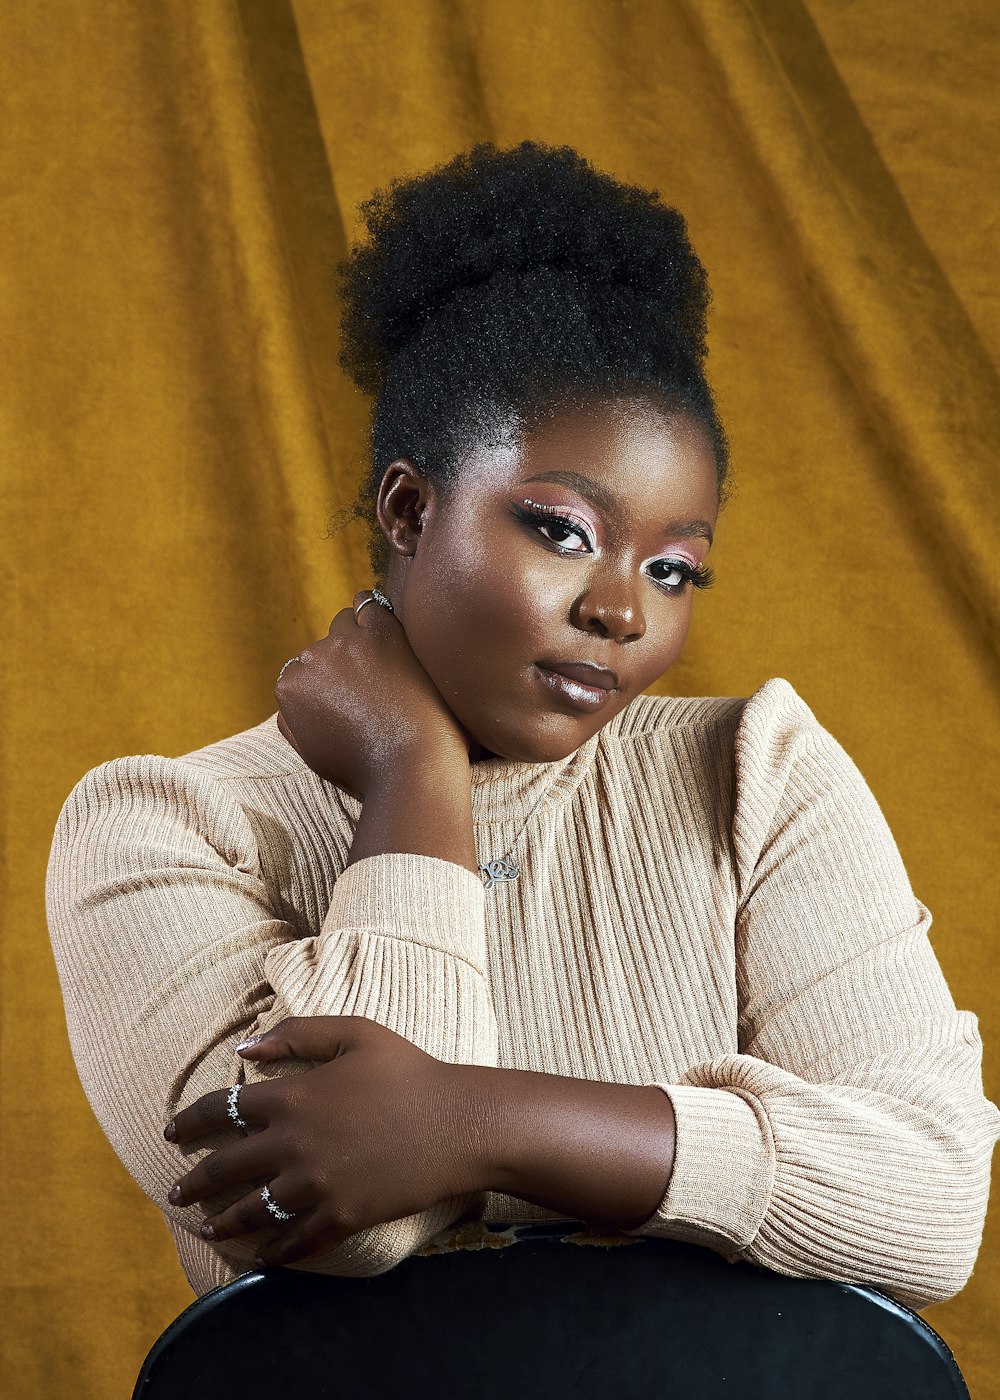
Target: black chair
(550, 1317)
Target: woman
(474, 929)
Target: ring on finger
(273, 1206)
(375, 596)
(287, 664)
(233, 1109)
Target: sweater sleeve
(170, 949)
(850, 1138)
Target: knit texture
(710, 902)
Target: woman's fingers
(306, 1038)
(305, 1235)
(341, 622)
(211, 1112)
(284, 730)
(380, 607)
(219, 1171)
(251, 1213)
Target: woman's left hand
(374, 1134)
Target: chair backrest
(547, 1317)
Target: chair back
(645, 1319)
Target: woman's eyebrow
(606, 500)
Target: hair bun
(503, 214)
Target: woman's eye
(560, 530)
(557, 529)
(554, 528)
(676, 577)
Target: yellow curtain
(180, 180)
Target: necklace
(506, 868)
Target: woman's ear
(403, 498)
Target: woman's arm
(407, 919)
(169, 952)
(850, 1138)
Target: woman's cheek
(679, 636)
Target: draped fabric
(178, 184)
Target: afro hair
(498, 286)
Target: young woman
(474, 929)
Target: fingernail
(245, 1044)
(174, 1195)
(208, 1231)
(258, 1262)
(170, 1131)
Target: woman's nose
(612, 610)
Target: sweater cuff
(723, 1170)
(421, 899)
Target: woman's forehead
(607, 451)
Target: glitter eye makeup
(678, 572)
(554, 517)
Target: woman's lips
(586, 672)
(581, 697)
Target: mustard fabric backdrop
(179, 181)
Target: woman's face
(577, 544)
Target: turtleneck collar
(504, 791)
(507, 790)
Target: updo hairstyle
(503, 285)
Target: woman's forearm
(423, 807)
(590, 1150)
(593, 1151)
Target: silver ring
(232, 1107)
(286, 666)
(273, 1206)
(377, 596)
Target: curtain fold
(232, 150)
(904, 338)
(178, 183)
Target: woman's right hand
(359, 702)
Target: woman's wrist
(420, 803)
(587, 1149)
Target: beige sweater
(710, 901)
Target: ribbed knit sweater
(710, 901)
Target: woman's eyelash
(698, 575)
(545, 517)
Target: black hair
(504, 284)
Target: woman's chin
(544, 753)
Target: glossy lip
(586, 672)
(580, 696)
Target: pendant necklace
(494, 872)
(506, 868)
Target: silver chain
(506, 868)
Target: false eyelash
(700, 576)
(546, 517)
